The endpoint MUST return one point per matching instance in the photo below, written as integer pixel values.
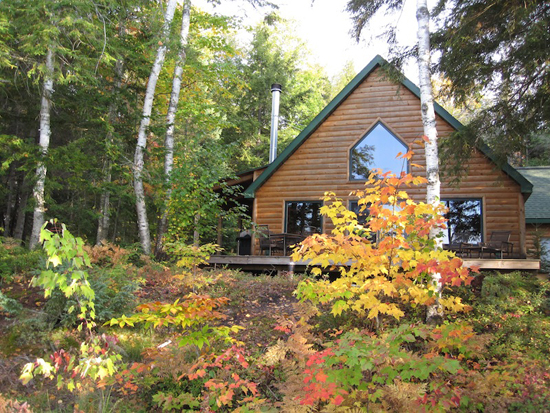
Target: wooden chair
(498, 244)
(267, 241)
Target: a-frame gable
(378, 61)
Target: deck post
(220, 231)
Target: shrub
(513, 307)
(15, 259)
(392, 273)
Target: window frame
(285, 222)
(482, 214)
(365, 135)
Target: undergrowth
(224, 341)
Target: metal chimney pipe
(276, 93)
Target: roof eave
(250, 192)
(537, 220)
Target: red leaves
(227, 386)
(321, 377)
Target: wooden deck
(283, 263)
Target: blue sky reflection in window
(377, 150)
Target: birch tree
(44, 143)
(363, 11)
(143, 223)
(433, 188)
(171, 119)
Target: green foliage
(198, 200)
(15, 259)
(189, 257)
(496, 51)
(274, 56)
(514, 307)
(361, 363)
(192, 317)
(114, 292)
(65, 270)
(9, 305)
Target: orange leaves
(227, 386)
(389, 260)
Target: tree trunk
(170, 124)
(143, 223)
(104, 203)
(196, 233)
(44, 142)
(433, 193)
(21, 210)
(115, 229)
(10, 203)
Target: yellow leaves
(454, 304)
(387, 258)
(338, 307)
(54, 260)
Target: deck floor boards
(259, 262)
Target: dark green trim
(526, 186)
(537, 220)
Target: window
(377, 149)
(362, 219)
(545, 254)
(303, 217)
(361, 215)
(465, 221)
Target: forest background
(101, 58)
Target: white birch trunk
(44, 142)
(433, 193)
(143, 224)
(104, 204)
(170, 122)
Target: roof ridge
(378, 61)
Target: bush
(9, 305)
(114, 296)
(513, 307)
(15, 259)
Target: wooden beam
(268, 262)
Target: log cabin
(365, 126)
(537, 213)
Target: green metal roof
(537, 207)
(378, 61)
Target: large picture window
(376, 150)
(362, 216)
(465, 221)
(303, 217)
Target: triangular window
(377, 150)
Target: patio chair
(498, 244)
(267, 242)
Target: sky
(325, 27)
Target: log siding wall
(321, 163)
